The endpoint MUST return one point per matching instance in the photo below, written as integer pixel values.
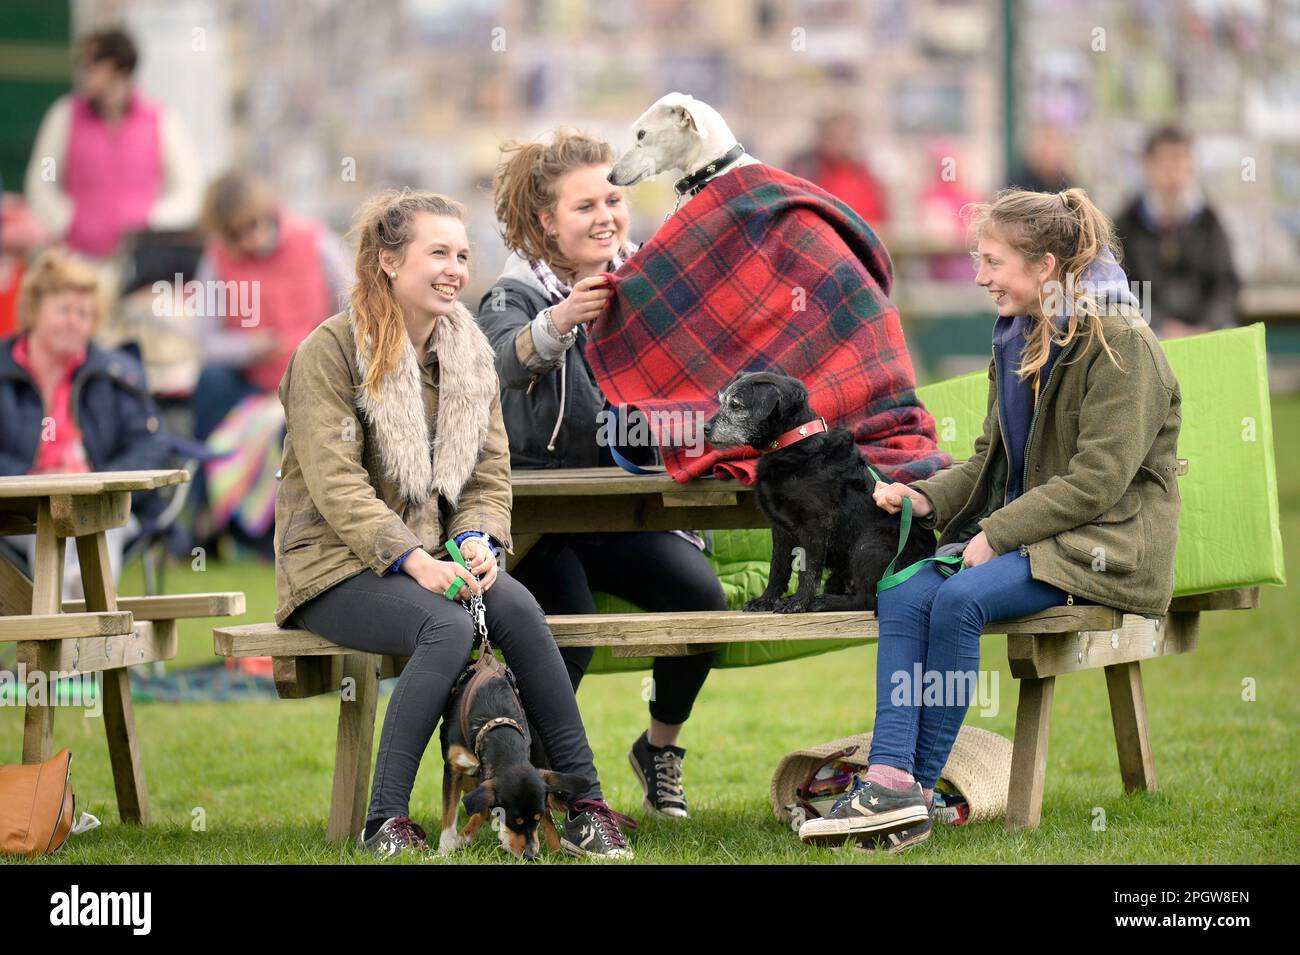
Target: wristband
(565, 338)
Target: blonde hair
(385, 221)
(525, 186)
(231, 196)
(1070, 226)
(56, 271)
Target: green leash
(452, 549)
(893, 578)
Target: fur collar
(467, 386)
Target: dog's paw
(763, 604)
(794, 605)
(451, 841)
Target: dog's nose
(708, 428)
(610, 178)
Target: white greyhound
(683, 135)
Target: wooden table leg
(41, 656)
(356, 737)
(1128, 711)
(1029, 753)
(119, 715)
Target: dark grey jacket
(552, 406)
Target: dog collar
(690, 185)
(795, 435)
(493, 724)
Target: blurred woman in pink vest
(266, 278)
(108, 160)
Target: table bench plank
(95, 482)
(63, 626)
(175, 606)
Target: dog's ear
(566, 784)
(684, 118)
(482, 798)
(766, 397)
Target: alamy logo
(103, 908)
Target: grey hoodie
(549, 395)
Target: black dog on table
(814, 487)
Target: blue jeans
(935, 621)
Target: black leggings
(395, 615)
(656, 570)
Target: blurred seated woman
(266, 279)
(68, 406)
(301, 271)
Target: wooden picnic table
(1040, 646)
(100, 634)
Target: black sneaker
(660, 770)
(591, 828)
(866, 808)
(398, 834)
(898, 840)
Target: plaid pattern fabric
(763, 271)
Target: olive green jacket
(364, 480)
(1099, 513)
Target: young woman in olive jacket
(1070, 495)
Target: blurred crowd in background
(180, 176)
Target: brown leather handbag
(36, 806)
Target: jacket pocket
(1114, 542)
(305, 527)
(1156, 476)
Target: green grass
(259, 772)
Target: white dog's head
(676, 134)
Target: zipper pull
(1024, 550)
(1069, 600)
(532, 384)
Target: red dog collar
(795, 435)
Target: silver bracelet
(566, 339)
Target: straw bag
(37, 807)
(978, 769)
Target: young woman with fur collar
(396, 443)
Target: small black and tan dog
(813, 485)
(488, 755)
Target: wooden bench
(75, 642)
(1040, 647)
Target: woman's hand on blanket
(978, 551)
(482, 561)
(584, 304)
(889, 497)
(437, 575)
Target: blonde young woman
(566, 225)
(1069, 497)
(395, 444)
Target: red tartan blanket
(763, 271)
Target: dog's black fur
(817, 493)
(508, 783)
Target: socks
(891, 777)
(929, 798)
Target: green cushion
(1225, 539)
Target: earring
(392, 275)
